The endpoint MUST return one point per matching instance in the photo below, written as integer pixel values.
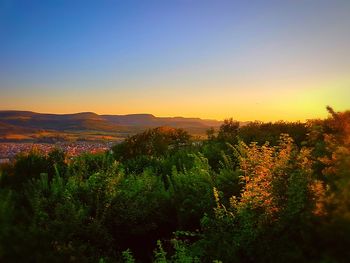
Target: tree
(153, 142)
(228, 131)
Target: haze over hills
(24, 122)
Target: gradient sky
(250, 60)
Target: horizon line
(128, 114)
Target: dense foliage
(263, 192)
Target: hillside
(24, 122)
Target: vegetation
(264, 192)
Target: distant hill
(27, 121)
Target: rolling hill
(23, 122)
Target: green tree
(228, 131)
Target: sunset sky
(250, 60)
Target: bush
(140, 213)
(191, 193)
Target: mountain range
(26, 121)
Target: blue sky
(265, 60)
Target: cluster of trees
(258, 193)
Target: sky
(250, 60)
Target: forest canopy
(262, 192)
